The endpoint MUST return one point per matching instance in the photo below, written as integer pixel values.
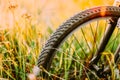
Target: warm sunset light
(103, 9)
(47, 11)
(26, 25)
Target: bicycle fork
(111, 26)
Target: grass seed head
(12, 5)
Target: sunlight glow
(103, 10)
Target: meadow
(25, 25)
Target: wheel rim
(70, 58)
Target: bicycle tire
(48, 51)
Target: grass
(20, 48)
(21, 44)
(19, 51)
(69, 62)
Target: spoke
(104, 40)
(79, 45)
(106, 23)
(85, 39)
(80, 62)
(84, 67)
(94, 36)
(73, 59)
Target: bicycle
(92, 56)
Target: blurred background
(44, 12)
(24, 27)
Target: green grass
(75, 51)
(20, 47)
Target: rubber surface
(70, 25)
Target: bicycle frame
(111, 26)
(92, 64)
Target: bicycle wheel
(66, 57)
